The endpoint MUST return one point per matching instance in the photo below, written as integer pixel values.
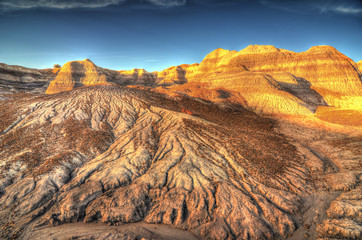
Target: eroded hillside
(184, 153)
(114, 155)
(17, 78)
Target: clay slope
(118, 155)
(305, 80)
(17, 78)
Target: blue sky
(156, 34)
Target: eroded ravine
(113, 155)
(333, 210)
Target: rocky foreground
(184, 153)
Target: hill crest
(264, 78)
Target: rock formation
(85, 73)
(301, 81)
(343, 216)
(171, 76)
(74, 74)
(268, 79)
(17, 78)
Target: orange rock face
(275, 80)
(74, 74)
(172, 75)
(328, 71)
(264, 78)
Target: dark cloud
(69, 4)
(168, 3)
(60, 4)
(347, 7)
(218, 2)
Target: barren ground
(116, 162)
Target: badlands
(263, 143)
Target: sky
(157, 34)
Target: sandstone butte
(74, 74)
(262, 78)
